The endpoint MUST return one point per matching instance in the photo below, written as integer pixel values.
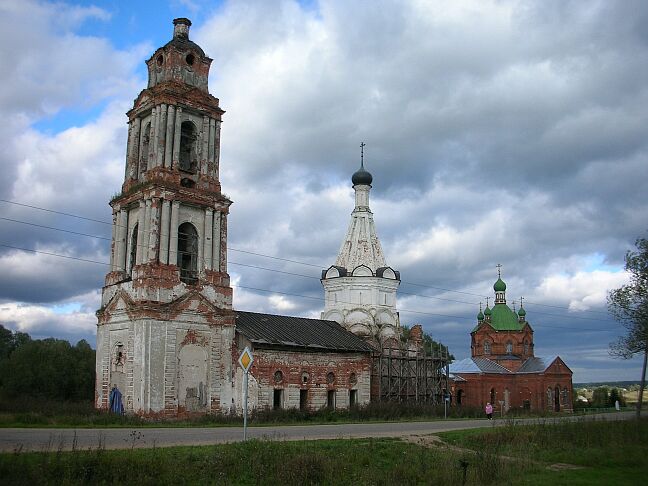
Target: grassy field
(604, 452)
(82, 414)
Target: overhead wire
(270, 257)
(433, 314)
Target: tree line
(49, 368)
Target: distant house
(503, 368)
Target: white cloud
(44, 321)
(497, 132)
(581, 291)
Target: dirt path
(434, 441)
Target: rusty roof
(285, 331)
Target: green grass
(343, 462)
(39, 413)
(610, 453)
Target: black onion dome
(361, 176)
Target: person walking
(489, 411)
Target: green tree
(616, 394)
(50, 368)
(629, 305)
(601, 396)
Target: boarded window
(188, 253)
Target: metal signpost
(245, 360)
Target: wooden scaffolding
(402, 376)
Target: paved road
(125, 438)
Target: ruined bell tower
(165, 326)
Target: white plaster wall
(152, 349)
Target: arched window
(526, 347)
(509, 347)
(144, 149)
(492, 396)
(133, 250)
(188, 147)
(487, 347)
(188, 253)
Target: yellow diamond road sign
(246, 359)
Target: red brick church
(503, 368)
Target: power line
(54, 254)
(272, 269)
(55, 212)
(287, 293)
(277, 258)
(55, 229)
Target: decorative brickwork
(503, 368)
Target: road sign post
(245, 360)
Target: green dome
(521, 312)
(480, 316)
(487, 312)
(499, 286)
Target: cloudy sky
(497, 132)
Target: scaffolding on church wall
(398, 375)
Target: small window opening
(133, 251)
(305, 377)
(188, 147)
(492, 396)
(330, 378)
(526, 347)
(487, 347)
(120, 357)
(278, 376)
(330, 399)
(353, 378)
(186, 182)
(509, 347)
(188, 253)
(303, 399)
(353, 398)
(277, 399)
(190, 59)
(160, 60)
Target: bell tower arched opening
(188, 253)
(188, 147)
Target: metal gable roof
(477, 365)
(537, 364)
(316, 334)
